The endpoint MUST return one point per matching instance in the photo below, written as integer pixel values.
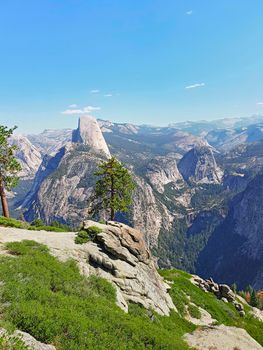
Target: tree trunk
(112, 210)
(112, 214)
(4, 200)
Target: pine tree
(254, 299)
(113, 190)
(9, 166)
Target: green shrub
(89, 234)
(46, 228)
(9, 222)
(59, 225)
(37, 223)
(93, 231)
(82, 237)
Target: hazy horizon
(62, 127)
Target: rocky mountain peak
(89, 133)
(199, 166)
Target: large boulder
(120, 255)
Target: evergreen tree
(9, 166)
(113, 190)
(254, 299)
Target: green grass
(224, 313)
(9, 222)
(11, 343)
(54, 303)
(194, 311)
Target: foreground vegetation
(51, 300)
(224, 313)
(36, 225)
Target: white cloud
(260, 103)
(73, 106)
(108, 95)
(95, 91)
(189, 13)
(85, 110)
(195, 86)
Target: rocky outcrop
(221, 291)
(28, 156)
(89, 133)
(118, 254)
(221, 337)
(199, 166)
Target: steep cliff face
(27, 154)
(149, 215)
(89, 133)
(199, 166)
(63, 186)
(162, 171)
(234, 252)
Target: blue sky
(140, 61)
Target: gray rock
(238, 306)
(120, 255)
(226, 292)
(89, 133)
(199, 166)
(224, 300)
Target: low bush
(93, 231)
(82, 237)
(36, 225)
(9, 222)
(89, 234)
(46, 228)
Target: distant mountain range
(191, 178)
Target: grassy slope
(51, 300)
(224, 313)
